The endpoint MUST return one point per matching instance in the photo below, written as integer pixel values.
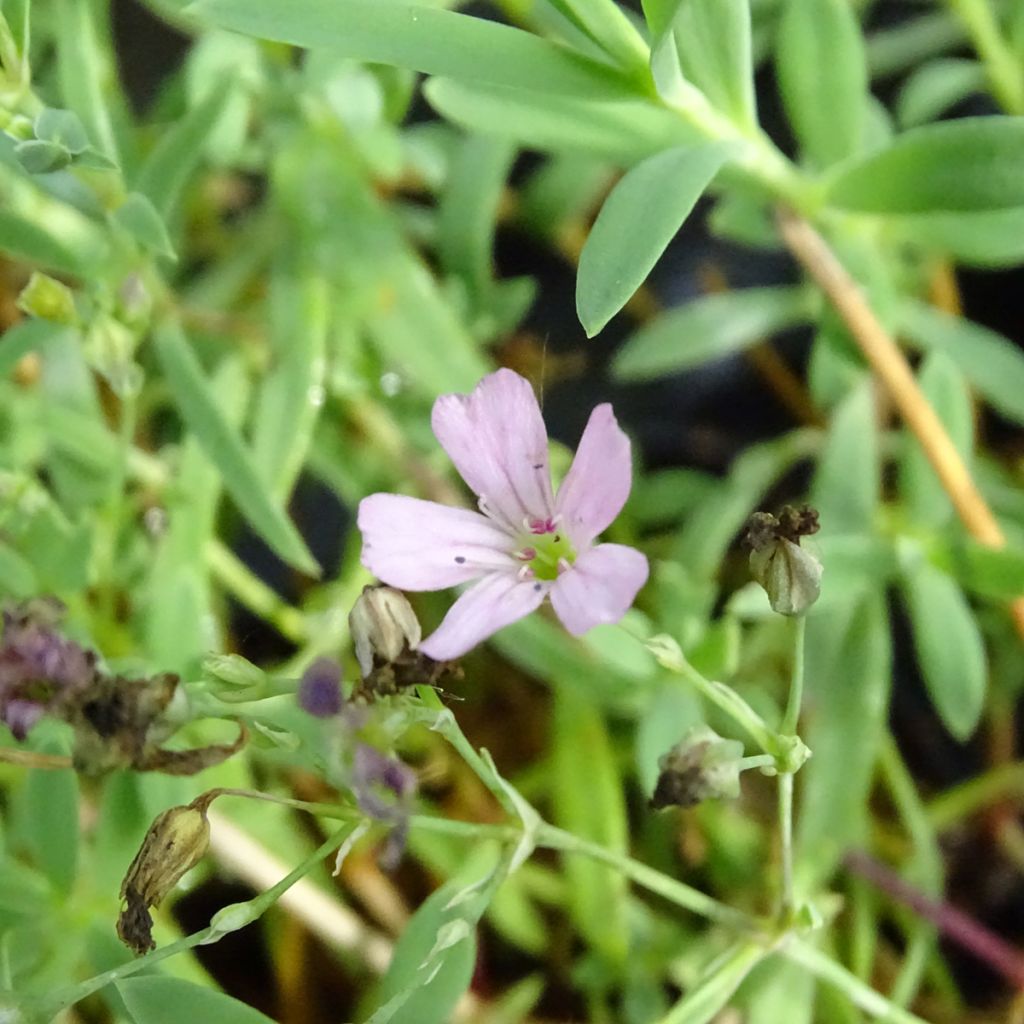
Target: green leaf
(913, 41)
(17, 575)
(626, 129)
(607, 25)
(822, 72)
(846, 483)
(155, 999)
(22, 338)
(292, 394)
(202, 415)
(433, 959)
(988, 239)
(638, 220)
(26, 240)
(423, 39)
(969, 164)
(950, 650)
(847, 696)
(713, 990)
(175, 157)
(588, 801)
(41, 157)
(712, 41)
(996, 574)
(946, 390)
(992, 363)
(139, 218)
(709, 328)
(62, 127)
(935, 87)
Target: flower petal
(598, 482)
(599, 588)
(494, 602)
(497, 440)
(420, 545)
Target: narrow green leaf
(946, 390)
(48, 820)
(986, 238)
(588, 801)
(709, 328)
(847, 696)
(936, 86)
(156, 999)
(712, 41)
(992, 363)
(640, 217)
(846, 484)
(175, 157)
(969, 164)
(913, 41)
(950, 650)
(823, 77)
(17, 575)
(25, 239)
(715, 987)
(989, 572)
(223, 446)
(606, 24)
(436, 42)
(625, 129)
(138, 216)
(62, 127)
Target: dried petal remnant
(702, 766)
(791, 576)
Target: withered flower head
(790, 576)
(386, 636)
(176, 841)
(702, 766)
(384, 788)
(41, 671)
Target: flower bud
(237, 678)
(176, 841)
(790, 576)
(383, 627)
(48, 299)
(320, 688)
(702, 766)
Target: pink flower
(524, 544)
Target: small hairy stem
(893, 370)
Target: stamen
(564, 565)
(527, 554)
(525, 573)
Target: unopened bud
(48, 299)
(702, 766)
(238, 677)
(383, 627)
(320, 688)
(176, 841)
(790, 576)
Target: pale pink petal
(496, 438)
(494, 602)
(598, 482)
(599, 588)
(420, 545)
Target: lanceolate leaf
(640, 217)
(969, 164)
(156, 999)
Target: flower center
(545, 550)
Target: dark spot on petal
(538, 465)
(536, 586)
(460, 559)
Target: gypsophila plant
(313, 629)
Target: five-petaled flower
(525, 543)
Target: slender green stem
(969, 797)
(1005, 71)
(796, 679)
(786, 843)
(48, 1006)
(252, 592)
(745, 764)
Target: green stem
(962, 801)
(796, 679)
(786, 843)
(1005, 71)
(47, 1007)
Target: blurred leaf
(972, 163)
(913, 41)
(670, 712)
(292, 393)
(41, 157)
(992, 573)
(778, 992)
(199, 410)
(62, 127)
(846, 482)
(709, 328)
(433, 960)
(989, 238)
(587, 800)
(950, 650)
(25, 239)
(639, 218)
(936, 86)
(820, 63)
(421, 38)
(156, 999)
(993, 364)
(626, 129)
(175, 157)
(847, 697)
(24, 337)
(715, 987)
(17, 574)
(946, 390)
(609, 27)
(139, 218)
